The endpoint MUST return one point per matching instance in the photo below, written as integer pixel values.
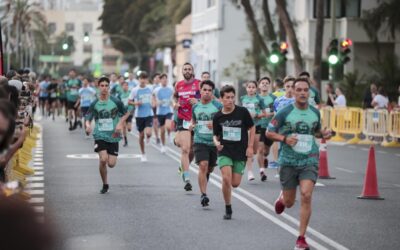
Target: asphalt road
(147, 207)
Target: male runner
(154, 85)
(73, 85)
(264, 146)
(186, 92)
(206, 76)
(234, 144)
(87, 95)
(106, 111)
(141, 98)
(315, 98)
(124, 98)
(205, 151)
(162, 99)
(52, 90)
(44, 95)
(296, 126)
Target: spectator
(369, 95)
(340, 100)
(330, 91)
(7, 128)
(3, 81)
(380, 101)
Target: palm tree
(21, 21)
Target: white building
(221, 36)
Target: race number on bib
(165, 102)
(106, 124)
(231, 134)
(125, 101)
(304, 144)
(203, 128)
(53, 95)
(145, 98)
(73, 92)
(186, 124)
(250, 107)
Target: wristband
(284, 139)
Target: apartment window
(87, 27)
(52, 27)
(87, 48)
(344, 8)
(69, 27)
(211, 3)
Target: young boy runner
(205, 151)
(141, 98)
(124, 98)
(106, 111)
(265, 143)
(162, 99)
(231, 127)
(296, 127)
(87, 95)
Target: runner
(141, 98)
(279, 90)
(132, 82)
(155, 85)
(44, 95)
(206, 76)
(87, 95)
(114, 84)
(162, 99)
(106, 111)
(231, 127)
(52, 90)
(186, 93)
(315, 98)
(73, 85)
(255, 105)
(295, 127)
(124, 97)
(205, 151)
(265, 143)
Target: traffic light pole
(333, 36)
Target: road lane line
(396, 185)
(256, 208)
(351, 146)
(365, 149)
(35, 178)
(38, 209)
(345, 170)
(36, 200)
(35, 191)
(382, 152)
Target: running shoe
(273, 164)
(279, 206)
(301, 244)
(147, 140)
(250, 175)
(180, 171)
(104, 189)
(158, 141)
(188, 186)
(263, 175)
(228, 213)
(143, 158)
(163, 150)
(204, 200)
(125, 144)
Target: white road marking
(36, 200)
(35, 191)
(365, 149)
(272, 218)
(398, 155)
(318, 184)
(37, 168)
(396, 185)
(39, 173)
(352, 146)
(345, 170)
(35, 185)
(35, 178)
(38, 163)
(382, 152)
(38, 209)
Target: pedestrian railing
(393, 129)
(326, 117)
(347, 121)
(375, 126)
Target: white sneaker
(147, 140)
(143, 158)
(250, 175)
(162, 149)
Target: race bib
(251, 107)
(231, 134)
(165, 102)
(73, 92)
(106, 124)
(145, 98)
(203, 128)
(186, 124)
(53, 95)
(304, 144)
(375, 117)
(125, 101)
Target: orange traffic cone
(323, 172)
(370, 190)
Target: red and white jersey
(185, 91)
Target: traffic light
(345, 50)
(284, 50)
(86, 37)
(65, 46)
(274, 57)
(333, 53)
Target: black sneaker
(80, 124)
(204, 200)
(104, 189)
(125, 144)
(228, 212)
(263, 176)
(188, 186)
(227, 216)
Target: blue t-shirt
(87, 95)
(43, 89)
(132, 84)
(143, 95)
(282, 102)
(164, 98)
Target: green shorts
(237, 166)
(290, 176)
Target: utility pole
(333, 36)
(1, 53)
